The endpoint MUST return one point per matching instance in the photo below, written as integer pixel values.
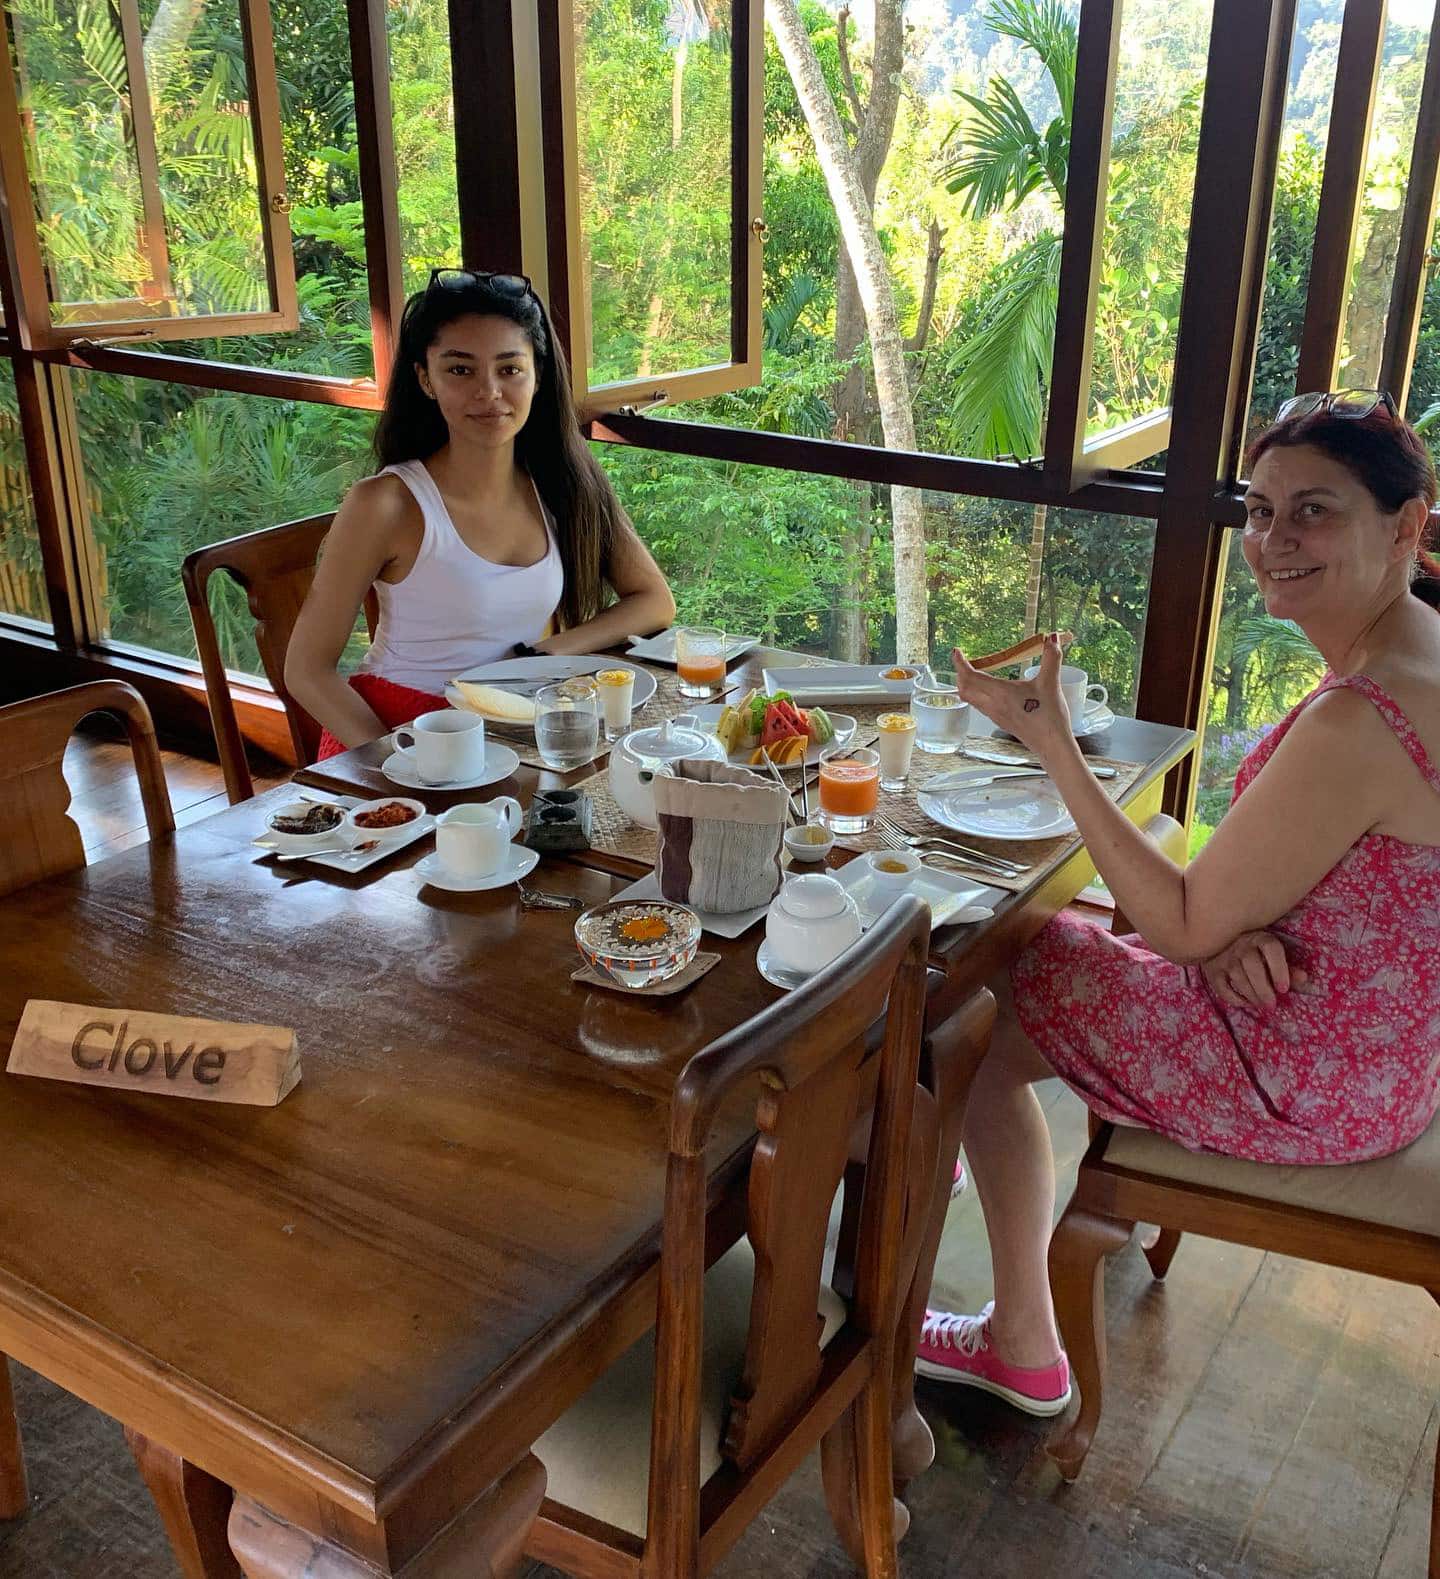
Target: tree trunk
(1370, 302)
(167, 35)
(1037, 561)
(841, 169)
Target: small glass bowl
(638, 942)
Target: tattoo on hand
(1031, 703)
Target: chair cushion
(1399, 1191)
(597, 1455)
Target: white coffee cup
(444, 745)
(1075, 687)
(471, 840)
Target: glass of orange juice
(700, 659)
(849, 788)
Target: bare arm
(359, 546)
(643, 601)
(1320, 792)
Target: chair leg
(851, 1475)
(14, 1490)
(194, 1508)
(1078, 1248)
(1160, 1251)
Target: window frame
(34, 323)
(564, 227)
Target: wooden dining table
(352, 1315)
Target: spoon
(345, 855)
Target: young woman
(489, 528)
(1282, 999)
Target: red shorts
(392, 704)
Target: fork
(917, 840)
(975, 863)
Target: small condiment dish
(335, 836)
(809, 842)
(892, 870)
(364, 830)
(900, 678)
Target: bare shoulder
(378, 504)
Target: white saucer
(777, 975)
(500, 763)
(1097, 719)
(519, 862)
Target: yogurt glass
(895, 743)
(617, 696)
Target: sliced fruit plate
(760, 725)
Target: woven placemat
(902, 807)
(611, 831)
(703, 963)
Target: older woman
(1281, 1001)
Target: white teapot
(637, 757)
(810, 921)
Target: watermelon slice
(780, 724)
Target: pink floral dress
(1346, 1067)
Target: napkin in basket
(721, 832)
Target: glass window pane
(804, 561)
(653, 96)
(1392, 135)
(1155, 135)
(1263, 666)
(170, 469)
(423, 108)
(22, 576)
(1423, 406)
(146, 194)
(327, 227)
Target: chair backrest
(37, 836)
(275, 568)
(819, 1071)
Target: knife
(999, 761)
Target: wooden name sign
(214, 1060)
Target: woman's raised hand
(1033, 711)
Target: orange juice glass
(700, 659)
(849, 789)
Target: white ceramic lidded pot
(811, 921)
(637, 757)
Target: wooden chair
(37, 840)
(1381, 1218)
(37, 837)
(646, 1474)
(275, 567)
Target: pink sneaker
(957, 1349)
(962, 1182)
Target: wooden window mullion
(1342, 187)
(379, 201)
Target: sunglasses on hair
(516, 285)
(1353, 403)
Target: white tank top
(455, 609)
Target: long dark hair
(1383, 453)
(588, 516)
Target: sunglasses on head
(1351, 403)
(516, 285)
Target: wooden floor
(1266, 1419)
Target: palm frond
(1050, 29)
(782, 319)
(999, 374)
(1001, 159)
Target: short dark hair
(1382, 452)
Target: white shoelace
(969, 1334)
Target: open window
(654, 126)
(142, 170)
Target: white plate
(500, 763)
(839, 682)
(519, 862)
(529, 672)
(728, 926)
(338, 860)
(1098, 718)
(707, 718)
(1021, 809)
(953, 899)
(660, 648)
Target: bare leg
(1007, 1145)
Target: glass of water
(567, 723)
(942, 720)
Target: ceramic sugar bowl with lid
(811, 921)
(638, 756)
